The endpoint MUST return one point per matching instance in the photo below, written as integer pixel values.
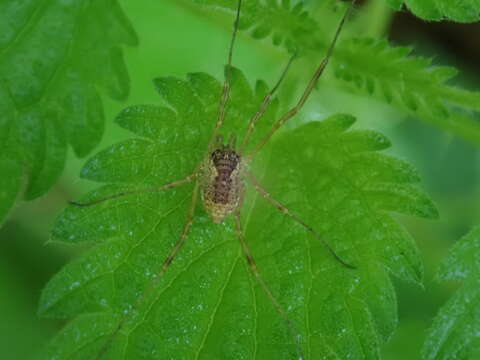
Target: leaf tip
(343, 120)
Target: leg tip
(76, 203)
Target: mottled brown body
(222, 186)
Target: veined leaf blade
(208, 303)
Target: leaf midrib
(215, 310)
(28, 24)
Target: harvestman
(222, 175)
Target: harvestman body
(222, 175)
(222, 185)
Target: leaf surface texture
(208, 305)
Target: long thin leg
(142, 191)
(285, 210)
(264, 105)
(183, 237)
(253, 267)
(311, 85)
(226, 83)
(166, 264)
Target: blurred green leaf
(460, 11)
(455, 330)
(9, 185)
(375, 68)
(53, 55)
(396, 4)
(208, 305)
(370, 67)
(286, 22)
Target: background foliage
(454, 334)
(48, 91)
(466, 11)
(446, 162)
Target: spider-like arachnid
(221, 177)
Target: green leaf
(77, 334)
(455, 330)
(396, 4)
(208, 305)
(48, 95)
(368, 66)
(460, 11)
(9, 185)
(286, 22)
(437, 10)
(412, 84)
